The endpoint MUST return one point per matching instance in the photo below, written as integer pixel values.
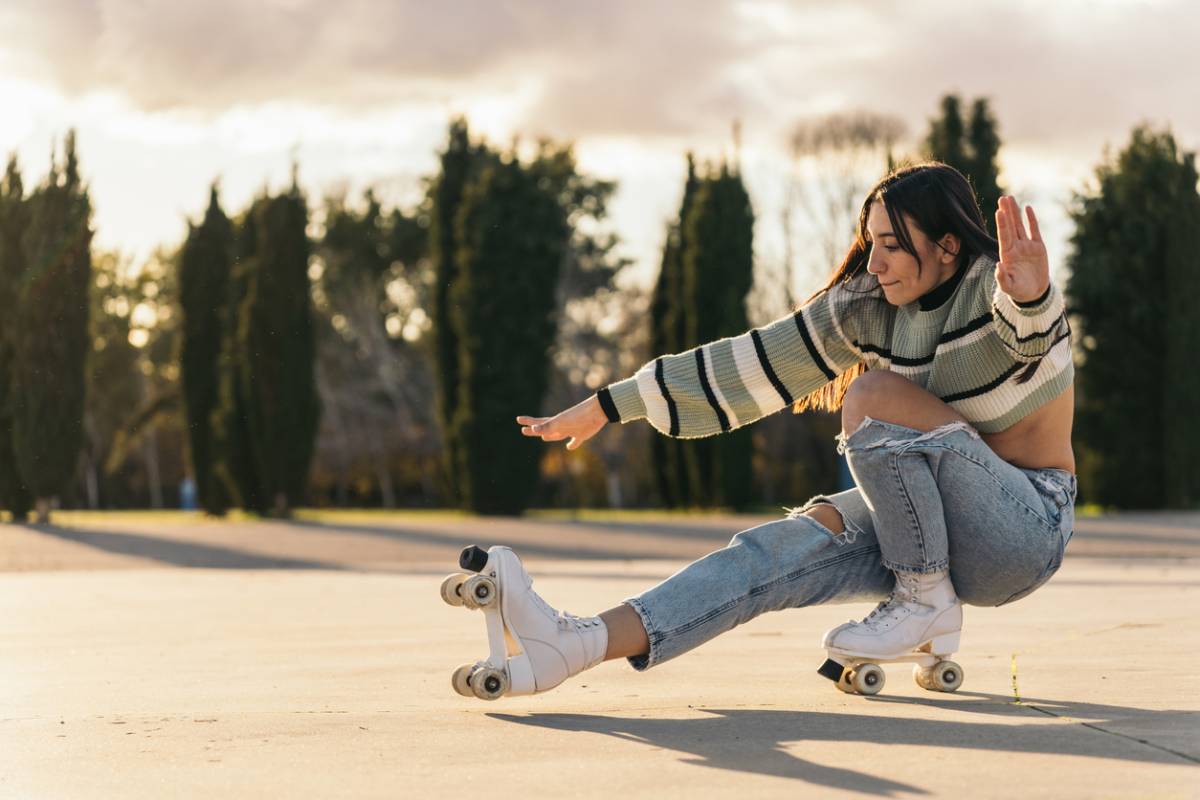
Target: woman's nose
(874, 264)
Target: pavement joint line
(1092, 726)
(1040, 710)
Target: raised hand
(579, 423)
(1023, 272)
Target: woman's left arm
(1027, 308)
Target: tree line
(347, 353)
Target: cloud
(1069, 70)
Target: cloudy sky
(167, 95)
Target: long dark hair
(940, 201)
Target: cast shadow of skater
(738, 740)
(753, 740)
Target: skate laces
(563, 619)
(899, 601)
(883, 611)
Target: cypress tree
(512, 232)
(234, 464)
(278, 350)
(983, 142)
(718, 272)
(1132, 289)
(204, 274)
(14, 219)
(970, 147)
(51, 321)
(460, 163)
(675, 460)
(947, 134)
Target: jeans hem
(926, 569)
(644, 662)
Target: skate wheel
(843, 683)
(868, 679)
(946, 676)
(461, 680)
(479, 591)
(452, 589)
(488, 683)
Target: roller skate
(533, 647)
(921, 624)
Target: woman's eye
(891, 248)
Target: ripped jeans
(922, 501)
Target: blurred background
(289, 253)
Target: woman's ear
(949, 245)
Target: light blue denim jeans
(922, 501)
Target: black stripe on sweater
(812, 348)
(708, 392)
(607, 405)
(766, 367)
(1014, 350)
(987, 387)
(662, 387)
(885, 352)
(972, 326)
(1036, 334)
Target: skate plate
(856, 673)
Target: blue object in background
(844, 480)
(187, 494)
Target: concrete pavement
(160, 655)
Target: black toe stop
(831, 669)
(473, 558)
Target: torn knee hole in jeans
(843, 439)
(849, 530)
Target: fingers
(547, 430)
(532, 426)
(1035, 232)
(1014, 213)
(1006, 229)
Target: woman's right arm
(732, 382)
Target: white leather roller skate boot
(533, 647)
(920, 623)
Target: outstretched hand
(579, 423)
(1023, 272)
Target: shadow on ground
(753, 740)
(176, 552)
(486, 533)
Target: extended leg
(626, 633)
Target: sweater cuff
(1027, 318)
(625, 399)
(606, 403)
(1038, 302)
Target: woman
(949, 356)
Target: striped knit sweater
(969, 351)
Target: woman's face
(898, 271)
